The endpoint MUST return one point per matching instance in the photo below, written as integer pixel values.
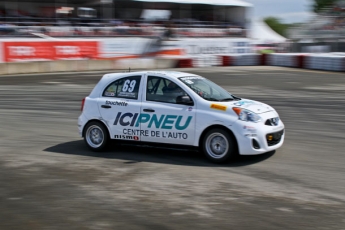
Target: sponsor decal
(118, 103)
(244, 102)
(218, 107)
(125, 137)
(249, 129)
(189, 82)
(250, 135)
(153, 121)
(190, 78)
(109, 94)
(127, 94)
(153, 133)
(164, 123)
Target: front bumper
(258, 138)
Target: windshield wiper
(211, 99)
(236, 98)
(227, 99)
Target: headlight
(246, 115)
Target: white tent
(261, 33)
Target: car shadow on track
(132, 154)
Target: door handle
(106, 106)
(149, 110)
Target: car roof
(174, 74)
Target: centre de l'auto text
(162, 124)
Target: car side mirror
(184, 100)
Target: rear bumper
(82, 120)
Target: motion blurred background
(53, 53)
(110, 29)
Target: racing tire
(219, 146)
(96, 136)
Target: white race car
(178, 108)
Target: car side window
(127, 87)
(162, 90)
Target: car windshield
(207, 89)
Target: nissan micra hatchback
(177, 108)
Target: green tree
(322, 4)
(277, 26)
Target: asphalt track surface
(50, 180)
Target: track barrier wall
(326, 62)
(85, 65)
(21, 57)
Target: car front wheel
(96, 136)
(219, 146)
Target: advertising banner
(117, 48)
(122, 47)
(49, 50)
(27, 51)
(213, 46)
(65, 50)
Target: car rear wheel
(96, 136)
(219, 146)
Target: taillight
(82, 104)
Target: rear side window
(127, 87)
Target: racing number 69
(129, 86)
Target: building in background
(227, 11)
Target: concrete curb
(85, 65)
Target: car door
(162, 120)
(120, 105)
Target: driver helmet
(172, 87)
(173, 90)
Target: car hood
(254, 106)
